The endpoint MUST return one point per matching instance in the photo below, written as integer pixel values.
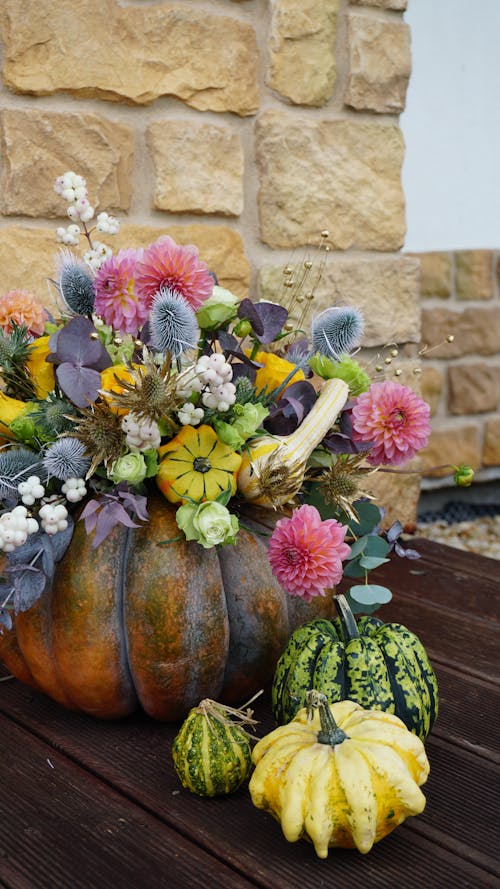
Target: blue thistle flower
(336, 331)
(65, 458)
(172, 323)
(16, 465)
(75, 284)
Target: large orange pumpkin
(133, 623)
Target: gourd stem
(330, 733)
(347, 619)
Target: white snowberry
(74, 489)
(54, 518)
(31, 490)
(189, 415)
(15, 526)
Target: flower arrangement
(154, 376)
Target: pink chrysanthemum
(167, 265)
(306, 553)
(23, 308)
(395, 419)
(117, 300)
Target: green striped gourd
(211, 753)
(379, 666)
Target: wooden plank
(469, 713)
(462, 804)
(134, 756)
(445, 585)
(462, 560)
(63, 827)
(462, 641)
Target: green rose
(210, 523)
(131, 468)
(219, 307)
(247, 419)
(464, 476)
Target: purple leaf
(80, 384)
(73, 343)
(394, 531)
(267, 319)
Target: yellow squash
(196, 465)
(290, 450)
(339, 775)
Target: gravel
(480, 535)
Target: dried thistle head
(279, 481)
(341, 483)
(99, 429)
(151, 393)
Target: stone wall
(460, 295)
(245, 126)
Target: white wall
(451, 125)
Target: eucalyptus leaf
(371, 562)
(357, 608)
(353, 569)
(29, 586)
(370, 594)
(5, 618)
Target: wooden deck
(92, 805)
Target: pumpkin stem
(330, 732)
(347, 619)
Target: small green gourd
(211, 753)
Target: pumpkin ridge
(121, 589)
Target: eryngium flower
(16, 465)
(337, 331)
(172, 323)
(395, 419)
(65, 458)
(75, 284)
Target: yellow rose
(110, 383)
(39, 368)
(10, 408)
(273, 373)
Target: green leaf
(224, 497)
(353, 569)
(370, 594)
(369, 517)
(357, 608)
(358, 547)
(371, 562)
(376, 546)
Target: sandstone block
(432, 386)
(385, 290)
(51, 143)
(379, 64)
(198, 167)
(491, 446)
(28, 255)
(473, 388)
(451, 444)
(301, 50)
(399, 5)
(398, 494)
(435, 274)
(476, 330)
(340, 175)
(474, 274)
(131, 54)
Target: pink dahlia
(116, 298)
(23, 308)
(166, 264)
(306, 553)
(395, 419)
